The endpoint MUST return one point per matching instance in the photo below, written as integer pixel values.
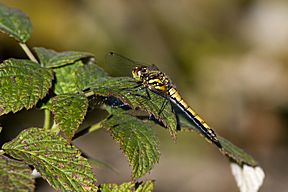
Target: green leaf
(22, 84)
(51, 59)
(66, 79)
(88, 74)
(74, 71)
(76, 77)
(15, 23)
(145, 187)
(234, 153)
(69, 111)
(15, 176)
(129, 92)
(127, 187)
(137, 140)
(57, 161)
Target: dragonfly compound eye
(136, 73)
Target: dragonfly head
(139, 72)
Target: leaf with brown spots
(69, 111)
(137, 140)
(57, 161)
(15, 176)
(15, 23)
(22, 84)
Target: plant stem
(86, 130)
(95, 127)
(55, 128)
(28, 52)
(47, 119)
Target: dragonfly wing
(120, 66)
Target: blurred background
(228, 59)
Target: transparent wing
(118, 65)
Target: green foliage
(87, 74)
(59, 162)
(22, 84)
(236, 154)
(136, 139)
(15, 23)
(52, 59)
(127, 187)
(15, 175)
(71, 78)
(129, 92)
(66, 79)
(69, 111)
(76, 77)
(74, 71)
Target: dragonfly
(248, 174)
(152, 78)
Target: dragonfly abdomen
(201, 125)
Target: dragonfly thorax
(152, 77)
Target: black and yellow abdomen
(200, 124)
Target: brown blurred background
(228, 59)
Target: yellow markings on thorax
(161, 88)
(159, 85)
(151, 81)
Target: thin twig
(28, 52)
(87, 130)
(47, 119)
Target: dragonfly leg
(147, 96)
(147, 93)
(178, 127)
(164, 104)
